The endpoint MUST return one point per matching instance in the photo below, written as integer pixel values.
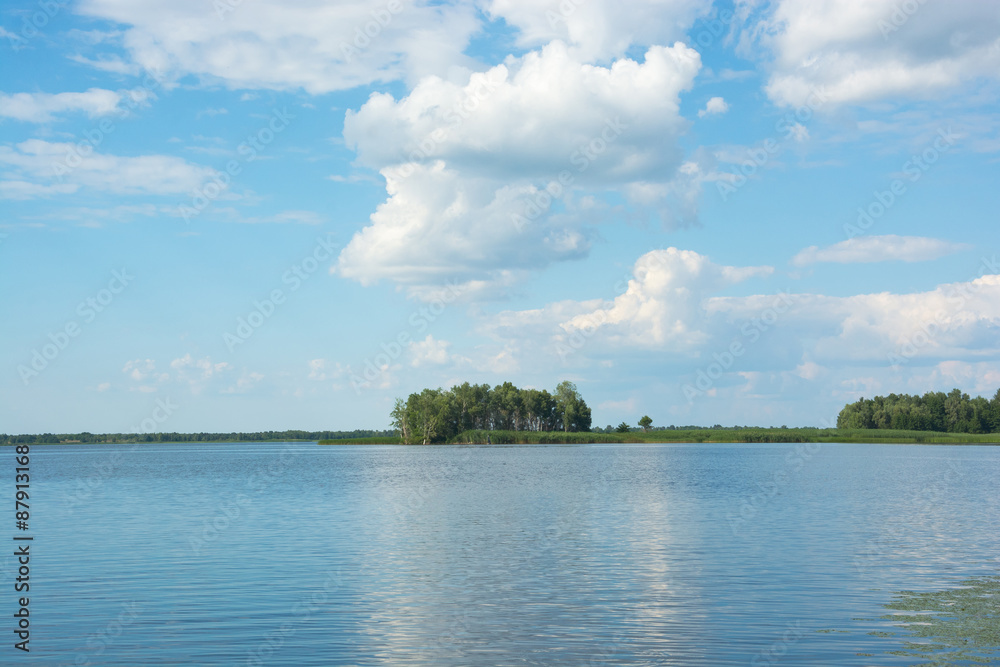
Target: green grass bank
(872, 436)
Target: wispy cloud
(44, 107)
(887, 248)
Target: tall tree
(427, 413)
(993, 416)
(571, 408)
(400, 421)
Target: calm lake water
(296, 554)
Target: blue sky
(267, 215)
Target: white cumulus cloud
(483, 176)
(865, 51)
(671, 307)
(663, 302)
(715, 105)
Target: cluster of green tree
(438, 415)
(953, 412)
(262, 436)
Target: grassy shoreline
(699, 435)
(706, 435)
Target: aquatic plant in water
(955, 626)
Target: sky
(242, 215)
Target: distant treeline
(262, 436)
(438, 415)
(953, 412)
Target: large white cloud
(314, 45)
(485, 177)
(864, 51)
(438, 226)
(533, 115)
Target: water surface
(675, 554)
